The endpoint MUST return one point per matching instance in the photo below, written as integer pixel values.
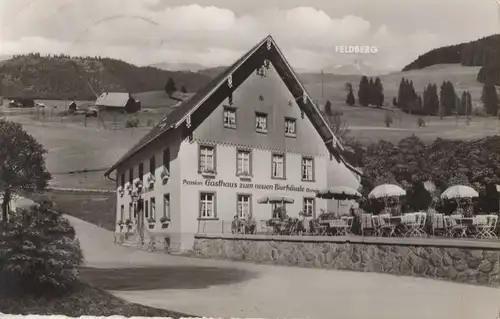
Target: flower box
(208, 172)
(165, 174)
(138, 185)
(151, 222)
(120, 224)
(165, 222)
(129, 189)
(120, 191)
(244, 175)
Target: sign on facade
(245, 185)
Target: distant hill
(484, 52)
(62, 77)
(191, 67)
(213, 72)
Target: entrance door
(140, 221)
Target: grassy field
(95, 208)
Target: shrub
(40, 254)
(133, 122)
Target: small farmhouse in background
(118, 101)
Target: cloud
(139, 32)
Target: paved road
(286, 292)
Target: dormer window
(261, 122)
(229, 117)
(290, 127)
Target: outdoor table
(466, 223)
(333, 226)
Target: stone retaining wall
(464, 261)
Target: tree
(489, 98)
(364, 91)
(350, 100)
(328, 108)
(22, 163)
(170, 88)
(372, 94)
(183, 89)
(378, 92)
(394, 101)
(469, 104)
(462, 110)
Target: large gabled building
(252, 132)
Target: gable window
(229, 117)
(207, 206)
(261, 122)
(243, 165)
(152, 165)
(207, 159)
(131, 176)
(153, 208)
(166, 206)
(307, 169)
(278, 166)
(243, 205)
(166, 159)
(308, 206)
(141, 172)
(290, 125)
(146, 209)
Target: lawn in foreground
(92, 207)
(84, 301)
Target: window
(166, 206)
(166, 158)
(307, 169)
(278, 166)
(243, 205)
(122, 180)
(261, 122)
(276, 205)
(229, 117)
(141, 171)
(207, 159)
(243, 163)
(207, 205)
(122, 211)
(131, 175)
(136, 209)
(146, 209)
(153, 208)
(130, 210)
(152, 165)
(308, 206)
(290, 127)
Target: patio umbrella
(387, 190)
(338, 193)
(459, 191)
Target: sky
(217, 32)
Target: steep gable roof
(112, 99)
(221, 86)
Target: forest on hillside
(484, 52)
(64, 77)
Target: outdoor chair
(381, 226)
(366, 223)
(486, 225)
(264, 227)
(415, 223)
(347, 229)
(437, 221)
(454, 226)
